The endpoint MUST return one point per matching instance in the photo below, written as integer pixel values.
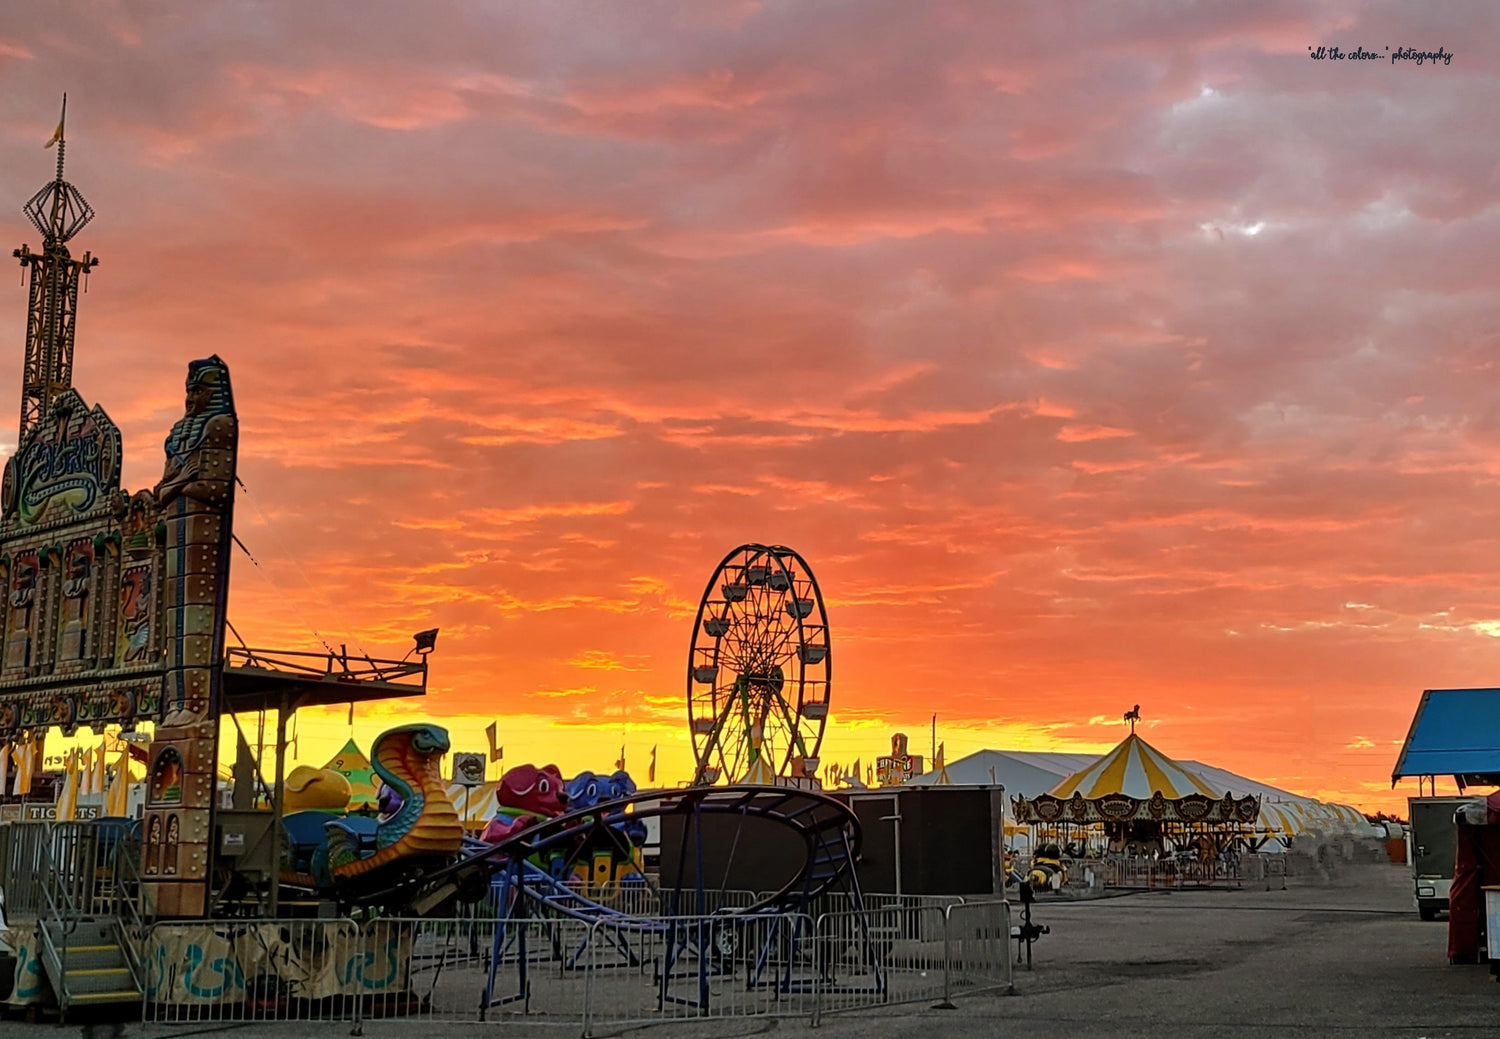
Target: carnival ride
(759, 670)
(529, 875)
(543, 851)
(1140, 813)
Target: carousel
(1137, 811)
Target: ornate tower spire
(58, 211)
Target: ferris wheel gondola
(759, 669)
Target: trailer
(1431, 848)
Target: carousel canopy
(1134, 769)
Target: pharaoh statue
(194, 496)
(194, 502)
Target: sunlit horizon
(1090, 356)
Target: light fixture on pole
(425, 643)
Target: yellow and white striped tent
(1135, 769)
(1280, 819)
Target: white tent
(1022, 773)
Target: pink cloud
(1097, 352)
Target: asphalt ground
(1340, 957)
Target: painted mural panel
(23, 611)
(135, 623)
(75, 636)
(65, 468)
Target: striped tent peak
(1135, 769)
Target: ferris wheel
(759, 669)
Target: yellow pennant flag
(67, 800)
(26, 755)
(651, 769)
(101, 773)
(116, 802)
(57, 135)
(493, 732)
(85, 771)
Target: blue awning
(1455, 732)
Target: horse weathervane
(1132, 716)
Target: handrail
(131, 925)
(66, 923)
(51, 878)
(338, 666)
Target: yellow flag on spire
(57, 134)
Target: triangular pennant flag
(116, 802)
(26, 764)
(101, 772)
(620, 765)
(493, 732)
(57, 135)
(651, 770)
(67, 800)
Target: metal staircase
(80, 889)
(86, 963)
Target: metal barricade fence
(610, 972)
(264, 970)
(684, 968)
(638, 900)
(893, 954)
(50, 863)
(976, 936)
(842, 902)
(472, 970)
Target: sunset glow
(1091, 357)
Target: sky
(1091, 354)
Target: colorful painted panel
(75, 620)
(135, 622)
(23, 606)
(166, 779)
(66, 466)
